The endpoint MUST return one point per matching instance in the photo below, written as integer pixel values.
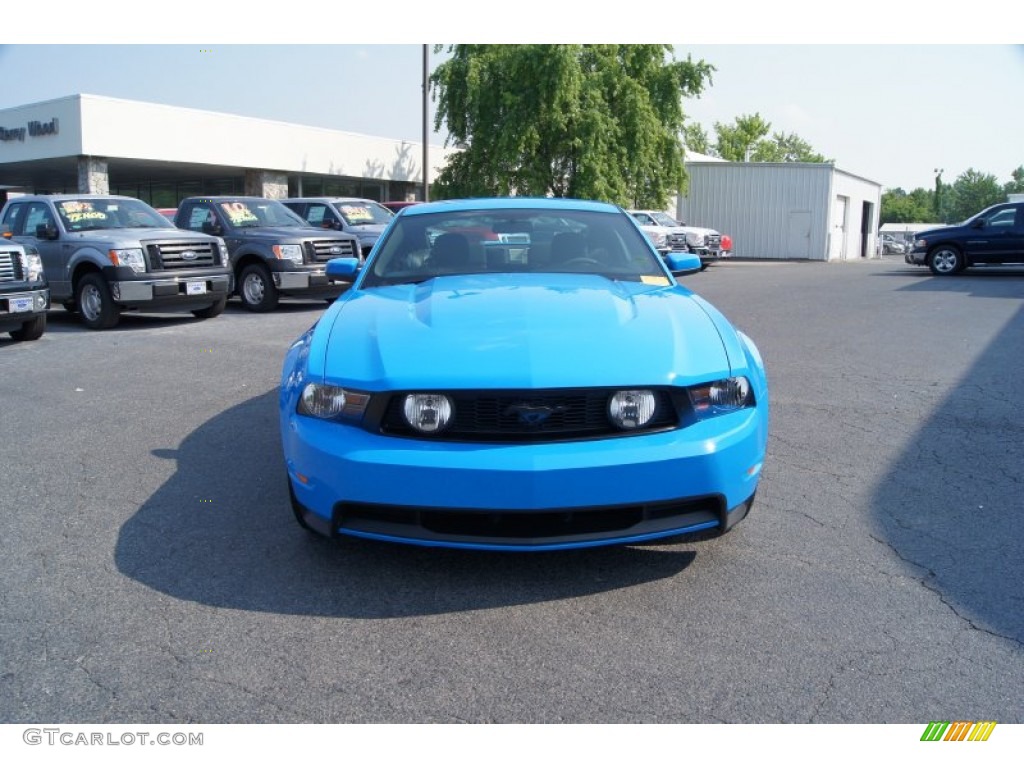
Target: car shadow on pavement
(220, 532)
(950, 505)
(989, 282)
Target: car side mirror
(344, 269)
(46, 231)
(680, 264)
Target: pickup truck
(24, 296)
(673, 236)
(366, 219)
(273, 251)
(993, 236)
(106, 254)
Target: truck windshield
(260, 213)
(364, 212)
(664, 219)
(108, 213)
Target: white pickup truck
(669, 235)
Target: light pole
(426, 176)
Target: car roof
(328, 199)
(510, 204)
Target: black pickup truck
(994, 236)
(24, 297)
(274, 252)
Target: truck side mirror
(46, 231)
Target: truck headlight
(225, 257)
(33, 266)
(129, 257)
(290, 252)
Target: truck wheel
(256, 289)
(213, 310)
(95, 304)
(945, 260)
(31, 329)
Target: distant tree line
(746, 139)
(949, 203)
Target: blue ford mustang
(521, 374)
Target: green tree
(696, 138)
(736, 140)
(786, 148)
(586, 121)
(972, 191)
(1016, 183)
(902, 207)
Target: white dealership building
(161, 154)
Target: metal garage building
(785, 210)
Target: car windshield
(245, 214)
(108, 213)
(422, 247)
(664, 219)
(363, 212)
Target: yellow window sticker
(654, 280)
(238, 213)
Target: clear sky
(891, 113)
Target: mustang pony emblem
(534, 415)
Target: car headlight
(920, 245)
(428, 413)
(129, 257)
(659, 239)
(723, 396)
(33, 266)
(694, 238)
(326, 401)
(225, 257)
(290, 252)
(631, 408)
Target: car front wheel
(945, 260)
(95, 304)
(31, 329)
(256, 289)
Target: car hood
(530, 331)
(288, 233)
(135, 234)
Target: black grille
(530, 416)
(10, 267)
(325, 250)
(533, 526)
(176, 255)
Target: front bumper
(20, 306)
(307, 282)
(347, 481)
(915, 257)
(170, 291)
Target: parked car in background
(889, 244)
(24, 296)
(993, 236)
(548, 387)
(274, 252)
(365, 219)
(667, 234)
(108, 254)
(396, 205)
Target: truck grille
(714, 242)
(677, 240)
(176, 255)
(10, 267)
(325, 250)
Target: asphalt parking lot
(152, 570)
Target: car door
(31, 221)
(995, 237)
